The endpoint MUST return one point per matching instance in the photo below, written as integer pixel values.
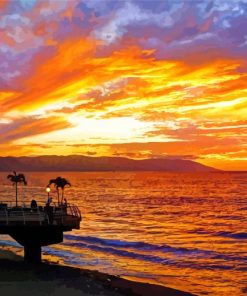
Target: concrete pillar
(33, 238)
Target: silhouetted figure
(65, 205)
(34, 205)
(49, 210)
(49, 201)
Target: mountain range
(86, 163)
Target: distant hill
(86, 163)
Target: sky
(139, 79)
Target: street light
(48, 189)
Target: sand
(18, 278)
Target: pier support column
(32, 253)
(32, 238)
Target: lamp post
(48, 189)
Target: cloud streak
(136, 78)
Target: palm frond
(52, 181)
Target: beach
(19, 278)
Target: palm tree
(15, 179)
(59, 182)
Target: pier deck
(39, 226)
(68, 217)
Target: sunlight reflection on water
(187, 231)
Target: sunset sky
(139, 79)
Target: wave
(142, 246)
(186, 263)
(123, 253)
(228, 234)
(235, 235)
(142, 250)
(130, 250)
(110, 242)
(10, 243)
(154, 253)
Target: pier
(36, 227)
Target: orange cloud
(29, 126)
(3, 3)
(199, 109)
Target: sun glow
(69, 88)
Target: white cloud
(131, 14)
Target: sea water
(183, 230)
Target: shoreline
(17, 278)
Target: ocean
(182, 230)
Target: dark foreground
(18, 278)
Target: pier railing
(64, 215)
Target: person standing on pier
(64, 205)
(49, 210)
(49, 201)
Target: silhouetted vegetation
(15, 179)
(59, 182)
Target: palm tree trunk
(58, 196)
(62, 194)
(16, 203)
